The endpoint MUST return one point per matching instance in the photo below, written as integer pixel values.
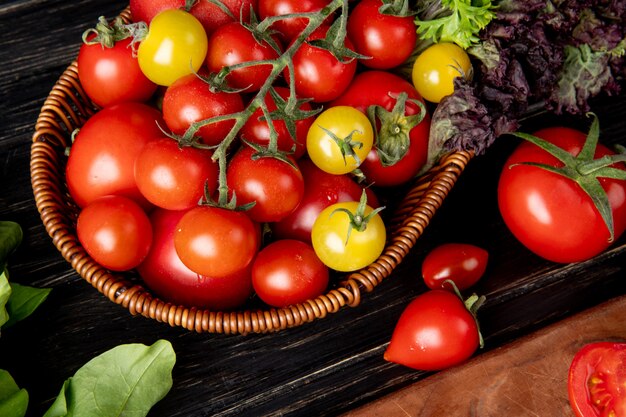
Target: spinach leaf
(13, 400)
(23, 301)
(10, 238)
(124, 381)
(5, 294)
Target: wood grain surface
(324, 368)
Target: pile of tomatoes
(238, 148)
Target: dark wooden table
(323, 368)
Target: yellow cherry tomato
(176, 45)
(436, 68)
(340, 245)
(339, 139)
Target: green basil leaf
(23, 301)
(5, 294)
(13, 400)
(124, 381)
(10, 238)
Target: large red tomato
(102, 157)
(397, 134)
(549, 213)
(165, 274)
(434, 332)
(321, 190)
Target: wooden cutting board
(525, 378)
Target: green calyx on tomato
(399, 8)
(334, 41)
(347, 145)
(472, 304)
(584, 169)
(392, 139)
(107, 34)
(358, 218)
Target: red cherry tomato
(233, 44)
(321, 190)
(288, 272)
(165, 274)
(434, 332)
(102, 157)
(115, 232)
(216, 242)
(596, 380)
(275, 186)
(289, 29)
(172, 177)
(387, 40)
(318, 74)
(112, 75)
(461, 263)
(189, 100)
(549, 213)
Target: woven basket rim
(67, 107)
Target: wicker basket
(67, 107)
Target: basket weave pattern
(67, 108)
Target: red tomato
(212, 17)
(165, 274)
(145, 10)
(258, 131)
(172, 177)
(102, 157)
(288, 272)
(233, 44)
(596, 380)
(321, 190)
(115, 232)
(434, 332)
(318, 74)
(461, 263)
(289, 29)
(216, 242)
(274, 185)
(381, 88)
(112, 75)
(549, 213)
(387, 40)
(189, 100)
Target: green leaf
(5, 294)
(23, 301)
(124, 381)
(10, 238)
(13, 400)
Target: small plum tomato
(462, 263)
(115, 232)
(436, 68)
(339, 139)
(174, 177)
(435, 331)
(349, 236)
(287, 272)
(176, 45)
(596, 380)
(216, 242)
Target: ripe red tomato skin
(115, 232)
(318, 74)
(234, 44)
(374, 87)
(189, 100)
(112, 75)
(257, 131)
(102, 157)
(550, 214)
(321, 189)
(145, 10)
(164, 273)
(212, 17)
(372, 33)
(287, 272)
(216, 242)
(174, 178)
(275, 186)
(462, 263)
(597, 373)
(434, 332)
(289, 29)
